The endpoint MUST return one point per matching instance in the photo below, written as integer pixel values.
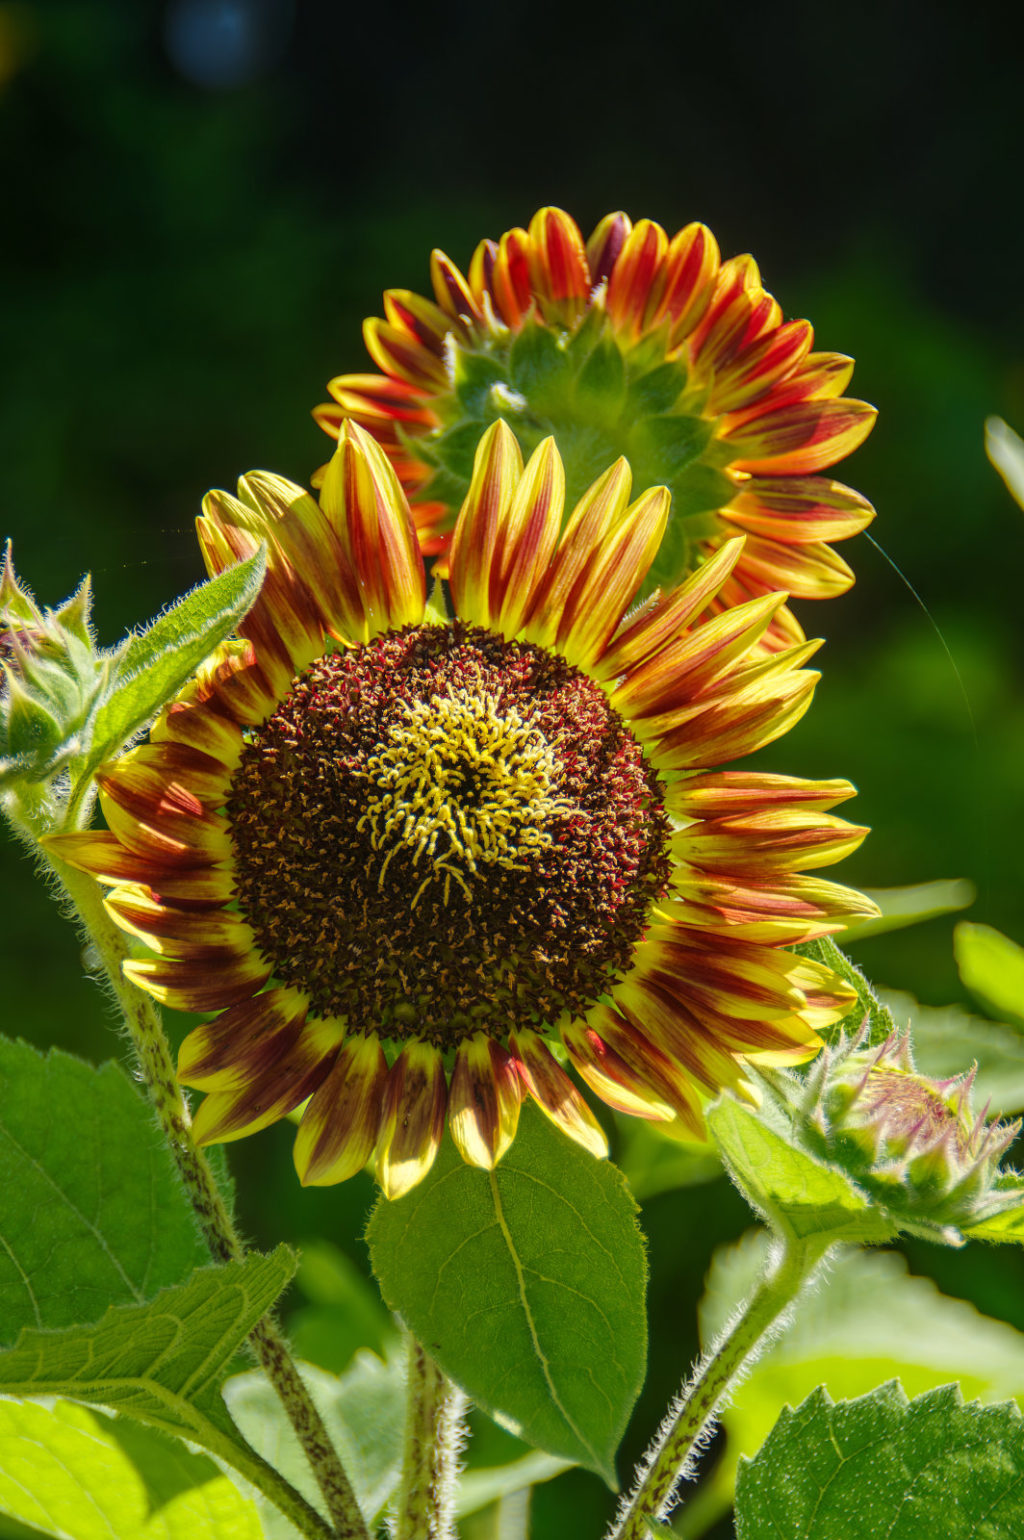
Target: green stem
(433, 1437)
(688, 1422)
(145, 1028)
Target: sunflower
(420, 864)
(632, 343)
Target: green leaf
(907, 1470)
(792, 1188)
(992, 967)
(70, 1471)
(1006, 451)
(526, 1283)
(947, 1040)
(91, 1211)
(162, 1362)
(866, 1321)
(158, 662)
(364, 1412)
(478, 1488)
(910, 906)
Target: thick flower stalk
(634, 343)
(419, 865)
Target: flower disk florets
(443, 832)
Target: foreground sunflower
(631, 343)
(416, 863)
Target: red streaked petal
(341, 1125)
(161, 822)
(791, 839)
(594, 608)
(368, 512)
(686, 667)
(799, 509)
(663, 1011)
(208, 986)
(484, 1101)
(497, 468)
(610, 1078)
(559, 273)
(454, 294)
(427, 323)
(604, 245)
(735, 725)
(554, 1092)
(104, 857)
(529, 534)
(510, 287)
(808, 571)
(661, 619)
(412, 1118)
(644, 1062)
(691, 269)
(198, 727)
(402, 356)
(760, 367)
(638, 277)
(256, 1103)
(243, 1043)
(599, 511)
(172, 931)
(806, 436)
(724, 793)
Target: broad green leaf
(868, 1006)
(992, 967)
(91, 1211)
(947, 1040)
(907, 1470)
(156, 664)
(793, 1188)
(364, 1412)
(344, 1314)
(526, 1283)
(910, 906)
(71, 1471)
(478, 1488)
(1006, 451)
(162, 1362)
(865, 1321)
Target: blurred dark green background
(201, 200)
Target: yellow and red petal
(800, 438)
(627, 1069)
(637, 278)
(340, 1127)
(599, 512)
(594, 607)
(664, 617)
(780, 839)
(185, 985)
(454, 295)
(727, 793)
(412, 1118)
(160, 819)
(559, 274)
(244, 1042)
(402, 355)
(605, 244)
(483, 1101)
(497, 468)
(529, 534)
(367, 510)
(556, 1096)
(256, 1102)
(799, 510)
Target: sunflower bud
(914, 1143)
(50, 681)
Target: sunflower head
(632, 343)
(419, 865)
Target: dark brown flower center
(443, 831)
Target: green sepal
(475, 375)
(541, 369)
(599, 391)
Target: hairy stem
(145, 1028)
(689, 1421)
(433, 1438)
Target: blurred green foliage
(184, 268)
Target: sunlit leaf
(69, 1471)
(906, 1469)
(992, 967)
(1006, 451)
